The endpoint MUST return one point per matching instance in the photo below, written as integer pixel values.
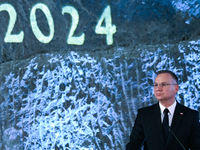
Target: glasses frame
(155, 85)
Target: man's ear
(176, 88)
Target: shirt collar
(170, 108)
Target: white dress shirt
(170, 114)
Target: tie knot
(166, 111)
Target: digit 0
(38, 34)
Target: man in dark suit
(166, 125)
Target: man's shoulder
(147, 108)
(187, 109)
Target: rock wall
(76, 83)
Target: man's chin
(162, 99)
(159, 98)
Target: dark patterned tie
(166, 124)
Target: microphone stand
(144, 139)
(176, 138)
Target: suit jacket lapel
(178, 116)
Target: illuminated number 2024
(11, 38)
(108, 29)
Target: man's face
(166, 92)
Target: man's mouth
(158, 94)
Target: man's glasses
(162, 84)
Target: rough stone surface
(61, 96)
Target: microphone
(145, 138)
(176, 138)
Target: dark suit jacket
(185, 125)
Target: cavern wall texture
(73, 73)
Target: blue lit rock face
(62, 96)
